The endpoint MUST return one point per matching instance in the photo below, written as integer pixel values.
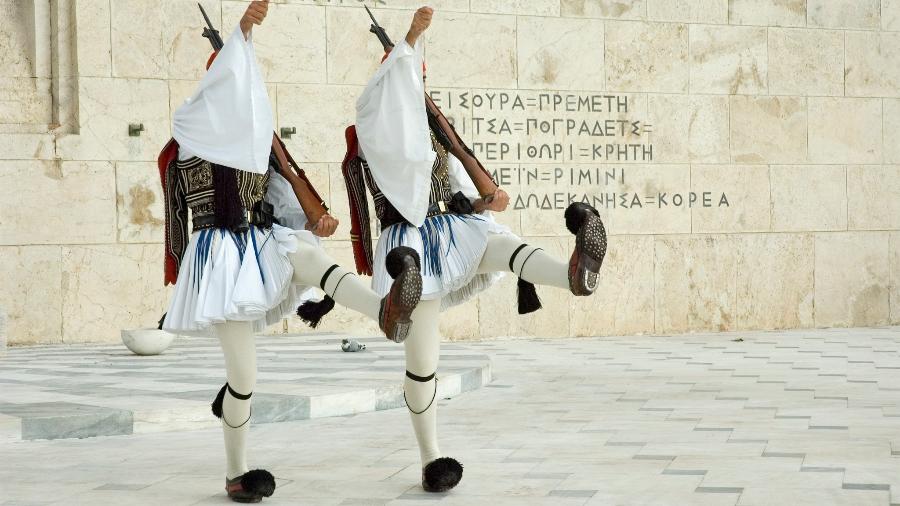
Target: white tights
(311, 263)
(534, 264)
(422, 349)
(240, 370)
(236, 338)
(423, 346)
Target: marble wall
(745, 154)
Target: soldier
(254, 248)
(431, 194)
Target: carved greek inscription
(563, 147)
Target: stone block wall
(745, 154)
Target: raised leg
(528, 262)
(313, 267)
(392, 312)
(533, 265)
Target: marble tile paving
(749, 419)
(54, 392)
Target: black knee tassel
(217, 402)
(529, 301)
(312, 312)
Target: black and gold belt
(261, 215)
(458, 204)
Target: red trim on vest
(167, 156)
(363, 265)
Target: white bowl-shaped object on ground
(147, 341)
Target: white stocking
(423, 348)
(240, 368)
(531, 264)
(310, 265)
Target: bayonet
(210, 32)
(379, 31)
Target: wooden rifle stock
(480, 176)
(310, 201)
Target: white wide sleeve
(393, 132)
(460, 180)
(228, 120)
(287, 208)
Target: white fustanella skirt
(227, 276)
(450, 247)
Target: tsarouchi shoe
(398, 305)
(251, 486)
(590, 247)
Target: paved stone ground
(781, 418)
(54, 392)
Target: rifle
(313, 205)
(211, 33)
(379, 31)
(433, 122)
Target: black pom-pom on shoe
(394, 261)
(259, 481)
(217, 402)
(441, 475)
(575, 215)
(251, 486)
(312, 312)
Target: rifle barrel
(214, 37)
(203, 11)
(371, 15)
(379, 31)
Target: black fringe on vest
(229, 211)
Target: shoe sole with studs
(405, 296)
(590, 250)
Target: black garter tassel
(217, 402)
(312, 312)
(529, 301)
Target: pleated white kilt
(236, 277)
(450, 247)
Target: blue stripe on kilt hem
(204, 244)
(204, 247)
(430, 233)
(256, 252)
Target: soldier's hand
(254, 15)
(325, 227)
(421, 21)
(497, 202)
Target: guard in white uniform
(432, 195)
(254, 246)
